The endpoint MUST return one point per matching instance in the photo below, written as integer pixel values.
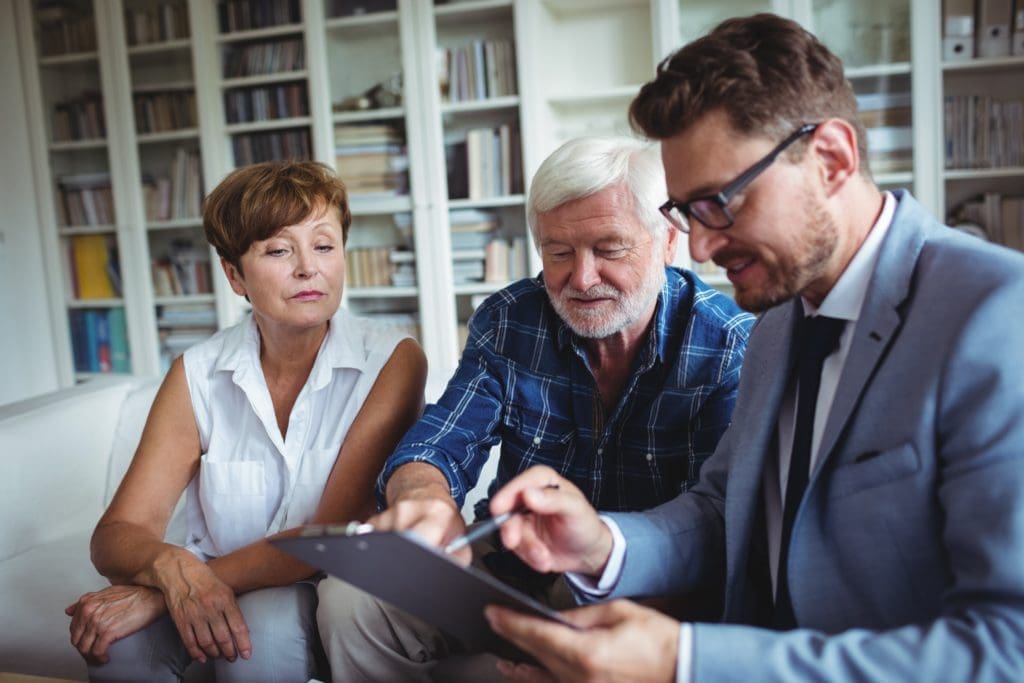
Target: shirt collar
(846, 298)
(339, 349)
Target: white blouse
(252, 482)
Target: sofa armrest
(55, 451)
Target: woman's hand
(204, 610)
(100, 618)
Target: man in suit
(865, 509)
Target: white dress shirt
(252, 481)
(844, 301)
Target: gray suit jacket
(907, 553)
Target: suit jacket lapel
(880, 316)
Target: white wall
(26, 351)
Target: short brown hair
(253, 202)
(767, 74)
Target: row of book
(94, 270)
(85, 199)
(157, 24)
(387, 266)
(253, 59)
(252, 148)
(371, 159)
(887, 119)
(983, 132)
(265, 103)
(165, 110)
(179, 193)
(243, 15)
(80, 118)
(1000, 218)
(65, 29)
(183, 271)
(182, 326)
(405, 323)
(477, 70)
(982, 28)
(99, 340)
(487, 162)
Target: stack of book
(983, 132)
(184, 270)
(253, 148)
(476, 71)
(266, 103)
(1002, 218)
(370, 266)
(504, 260)
(471, 231)
(93, 267)
(371, 159)
(99, 340)
(484, 163)
(182, 326)
(65, 28)
(80, 118)
(85, 199)
(178, 194)
(887, 118)
(157, 111)
(164, 22)
(242, 15)
(253, 59)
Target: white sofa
(63, 455)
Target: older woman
(283, 419)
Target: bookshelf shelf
(78, 145)
(175, 224)
(70, 58)
(372, 206)
(474, 288)
(270, 124)
(902, 178)
(878, 70)
(168, 136)
(178, 45)
(609, 95)
(510, 200)
(263, 79)
(183, 299)
(382, 292)
(478, 10)
(383, 114)
(473, 106)
(260, 33)
(73, 230)
(983, 173)
(95, 303)
(361, 22)
(985, 64)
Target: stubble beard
(788, 275)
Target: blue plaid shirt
(524, 380)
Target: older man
(866, 508)
(613, 368)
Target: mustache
(601, 291)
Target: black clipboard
(403, 570)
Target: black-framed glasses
(713, 210)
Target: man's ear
(671, 244)
(234, 276)
(834, 145)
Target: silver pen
(488, 527)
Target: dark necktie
(817, 338)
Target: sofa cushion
(38, 585)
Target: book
(92, 278)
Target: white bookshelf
(564, 87)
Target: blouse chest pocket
(233, 496)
